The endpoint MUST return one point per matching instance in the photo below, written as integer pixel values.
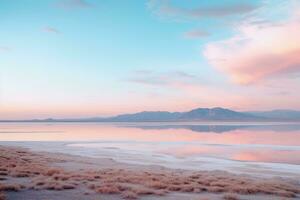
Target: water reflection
(222, 128)
(243, 142)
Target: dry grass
(2, 196)
(191, 183)
(129, 195)
(10, 187)
(108, 189)
(230, 197)
(132, 184)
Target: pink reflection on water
(196, 140)
(269, 155)
(193, 150)
(254, 154)
(108, 132)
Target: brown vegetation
(129, 195)
(2, 196)
(230, 197)
(129, 183)
(10, 187)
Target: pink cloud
(257, 52)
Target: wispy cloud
(145, 71)
(195, 34)
(49, 29)
(167, 8)
(177, 80)
(222, 14)
(4, 49)
(74, 4)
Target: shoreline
(26, 174)
(144, 158)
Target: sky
(82, 58)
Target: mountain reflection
(221, 128)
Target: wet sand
(33, 175)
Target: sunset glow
(85, 58)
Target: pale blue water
(243, 147)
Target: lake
(262, 148)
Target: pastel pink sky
(58, 61)
(258, 52)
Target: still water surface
(251, 143)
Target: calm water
(260, 143)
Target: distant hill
(146, 116)
(215, 114)
(278, 114)
(199, 114)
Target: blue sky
(64, 58)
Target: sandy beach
(35, 175)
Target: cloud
(194, 34)
(256, 53)
(174, 79)
(184, 75)
(74, 4)
(191, 90)
(143, 72)
(167, 8)
(4, 49)
(153, 77)
(49, 29)
(150, 80)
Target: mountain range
(199, 114)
